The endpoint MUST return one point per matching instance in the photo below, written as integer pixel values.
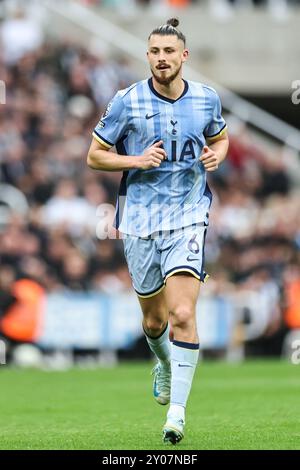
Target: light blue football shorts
(151, 260)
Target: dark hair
(170, 28)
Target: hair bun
(173, 22)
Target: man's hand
(210, 159)
(152, 157)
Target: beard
(166, 80)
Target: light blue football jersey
(176, 194)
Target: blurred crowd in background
(186, 3)
(55, 94)
(221, 9)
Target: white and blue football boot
(173, 431)
(162, 383)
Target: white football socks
(184, 359)
(161, 346)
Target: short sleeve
(217, 125)
(113, 123)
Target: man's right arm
(99, 158)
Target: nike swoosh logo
(192, 259)
(151, 116)
(183, 365)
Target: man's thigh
(181, 293)
(155, 306)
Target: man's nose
(161, 57)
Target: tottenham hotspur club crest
(174, 131)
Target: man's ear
(185, 55)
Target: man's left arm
(215, 152)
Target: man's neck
(172, 91)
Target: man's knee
(155, 323)
(183, 316)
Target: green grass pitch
(254, 405)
